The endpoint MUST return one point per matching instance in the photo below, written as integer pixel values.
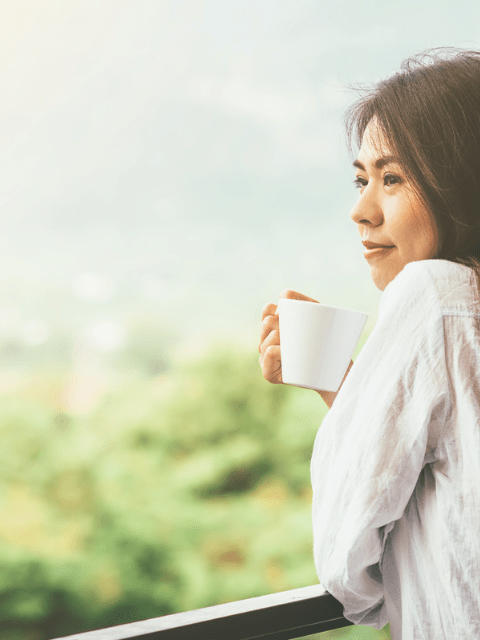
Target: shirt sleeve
(374, 442)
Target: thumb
(294, 295)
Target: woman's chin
(382, 277)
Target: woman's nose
(367, 210)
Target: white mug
(317, 342)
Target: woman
(396, 462)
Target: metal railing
(277, 616)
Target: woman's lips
(377, 251)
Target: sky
(186, 158)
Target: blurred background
(167, 167)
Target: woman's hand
(269, 347)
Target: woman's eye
(390, 179)
(360, 183)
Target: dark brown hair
(429, 114)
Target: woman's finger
(271, 364)
(295, 295)
(272, 339)
(270, 323)
(269, 309)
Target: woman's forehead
(375, 148)
(374, 140)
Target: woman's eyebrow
(379, 162)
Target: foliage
(177, 492)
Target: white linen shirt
(396, 464)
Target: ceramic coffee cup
(317, 342)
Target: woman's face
(395, 226)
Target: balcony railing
(277, 616)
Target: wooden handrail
(277, 616)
